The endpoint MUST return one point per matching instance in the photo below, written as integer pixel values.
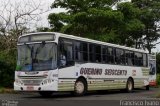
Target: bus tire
(147, 87)
(46, 93)
(129, 85)
(80, 87)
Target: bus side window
(66, 53)
(119, 59)
(77, 51)
(62, 55)
(138, 59)
(104, 54)
(110, 55)
(84, 50)
(92, 53)
(81, 51)
(129, 58)
(145, 63)
(98, 53)
(132, 57)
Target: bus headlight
(18, 82)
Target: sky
(25, 5)
(157, 48)
(45, 6)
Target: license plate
(30, 88)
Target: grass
(158, 84)
(6, 90)
(158, 96)
(158, 79)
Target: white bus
(49, 62)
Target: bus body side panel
(67, 78)
(102, 76)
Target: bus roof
(89, 40)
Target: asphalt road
(109, 98)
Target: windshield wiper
(39, 49)
(30, 64)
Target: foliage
(7, 64)
(158, 62)
(92, 19)
(158, 79)
(43, 29)
(158, 67)
(16, 18)
(132, 26)
(150, 17)
(6, 90)
(131, 23)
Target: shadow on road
(56, 95)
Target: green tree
(87, 18)
(158, 62)
(15, 20)
(132, 27)
(131, 23)
(150, 17)
(43, 29)
(7, 67)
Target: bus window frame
(113, 54)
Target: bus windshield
(37, 57)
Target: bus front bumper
(47, 87)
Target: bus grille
(32, 82)
(32, 77)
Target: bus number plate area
(30, 88)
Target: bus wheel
(130, 85)
(46, 93)
(80, 87)
(147, 87)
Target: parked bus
(152, 73)
(49, 62)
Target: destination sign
(42, 37)
(24, 39)
(37, 38)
